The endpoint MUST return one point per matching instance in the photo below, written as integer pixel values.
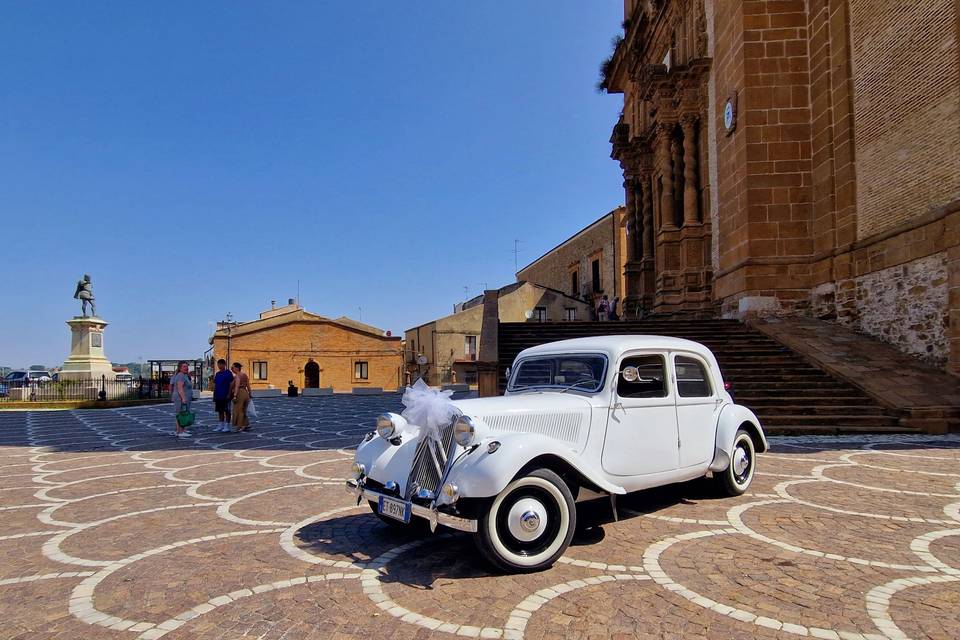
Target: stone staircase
(788, 394)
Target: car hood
(558, 415)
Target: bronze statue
(84, 293)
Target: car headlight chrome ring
(358, 470)
(465, 431)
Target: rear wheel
(529, 524)
(736, 478)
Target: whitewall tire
(529, 524)
(736, 478)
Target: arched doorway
(311, 375)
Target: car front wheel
(529, 524)
(736, 478)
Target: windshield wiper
(577, 383)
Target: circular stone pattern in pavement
(111, 528)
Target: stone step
(788, 393)
(818, 429)
(835, 420)
(766, 401)
(774, 385)
(760, 376)
(839, 409)
(780, 395)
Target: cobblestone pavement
(111, 528)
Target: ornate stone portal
(663, 69)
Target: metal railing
(80, 390)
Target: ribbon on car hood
(428, 408)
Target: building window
(540, 314)
(595, 269)
(470, 347)
(259, 370)
(360, 371)
(575, 283)
(570, 313)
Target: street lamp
(229, 336)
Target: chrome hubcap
(527, 519)
(741, 461)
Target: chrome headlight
(465, 431)
(357, 470)
(389, 425)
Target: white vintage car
(606, 415)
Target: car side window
(652, 381)
(692, 378)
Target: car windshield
(582, 372)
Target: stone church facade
(795, 157)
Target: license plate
(396, 509)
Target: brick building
(795, 156)
(447, 349)
(588, 263)
(290, 343)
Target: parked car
(14, 380)
(40, 376)
(580, 418)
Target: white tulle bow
(427, 408)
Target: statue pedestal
(87, 360)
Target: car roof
(617, 344)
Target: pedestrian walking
(181, 393)
(240, 393)
(614, 309)
(222, 383)
(603, 309)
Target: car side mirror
(632, 374)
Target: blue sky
(200, 158)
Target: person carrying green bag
(181, 393)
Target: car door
(698, 408)
(641, 435)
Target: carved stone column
(647, 263)
(632, 227)
(690, 209)
(664, 137)
(676, 156)
(632, 266)
(646, 214)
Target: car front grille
(430, 461)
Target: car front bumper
(356, 489)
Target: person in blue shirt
(221, 395)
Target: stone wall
(287, 346)
(905, 305)
(602, 238)
(443, 341)
(905, 106)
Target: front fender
(732, 416)
(481, 474)
(384, 461)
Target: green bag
(186, 418)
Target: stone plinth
(87, 359)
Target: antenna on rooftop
(516, 254)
